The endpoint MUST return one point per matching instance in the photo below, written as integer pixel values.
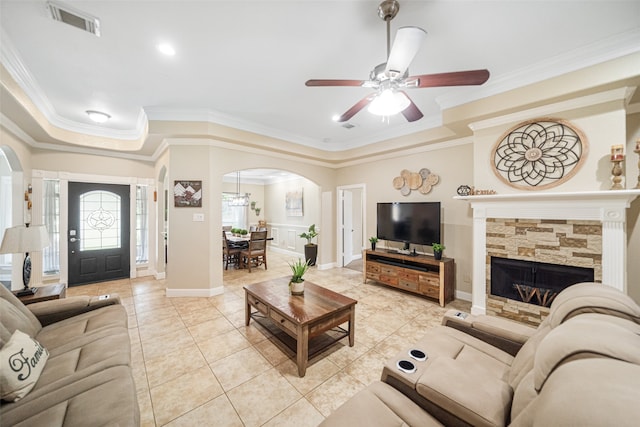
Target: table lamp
(25, 239)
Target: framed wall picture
(187, 194)
(293, 203)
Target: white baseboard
(160, 276)
(476, 311)
(194, 292)
(326, 266)
(285, 252)
(144, 273)
(465, 296)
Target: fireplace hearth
(534, 282)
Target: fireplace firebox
(534, 282)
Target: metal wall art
(421, 181)
(539, 154)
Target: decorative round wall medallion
(421, 181)
(539, 154)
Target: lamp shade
(389, 103)
(21, 239)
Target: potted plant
(243, 232)
(373, 241)
(258, 211)
(296, 284)
(310, 249)
(437, 250)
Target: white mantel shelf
(627, 195)
(608, 207)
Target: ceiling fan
(392, 77)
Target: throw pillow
(22, 360)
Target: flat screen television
(417, 223)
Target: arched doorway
(267, 191)
(11, 212)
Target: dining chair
(230, 252)
(256, 251)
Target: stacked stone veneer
(564, 242)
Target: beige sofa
(83, 359)
(580, 367)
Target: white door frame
(64, 178)
(339, 216)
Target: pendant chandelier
(239, 199)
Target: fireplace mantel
(608, 207)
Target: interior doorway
(352, 224)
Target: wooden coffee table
(303, 317)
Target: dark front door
(98, 232)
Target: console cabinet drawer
(430, 291)
(388, 271)
(373, 268)
(429, 280)
(408, 285)
(283, 321)
(409, 275)
(259, 305)
(389, 280)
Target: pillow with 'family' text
(22, 360)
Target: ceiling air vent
(69, 15)
(348, 125)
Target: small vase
(296, 288)
(373, 246)
(437, 255)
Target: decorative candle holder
(616, 171)
(617, 156)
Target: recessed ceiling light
(166, 49)
(335, 117)
(98, 116)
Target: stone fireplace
(540, 255)
(581, 229)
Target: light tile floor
(196, 363)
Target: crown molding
(608, 49)
(13, 63)
(621, 94)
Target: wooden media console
(420, 274)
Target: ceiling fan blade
(405, 47)
(457, 78)
(335, 82)
(412, 112)
(356, 108)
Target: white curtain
(51, 219)
(142, 225)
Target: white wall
(453, 162)
(286, 229)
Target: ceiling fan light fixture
(389, 103)
(98, 116)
